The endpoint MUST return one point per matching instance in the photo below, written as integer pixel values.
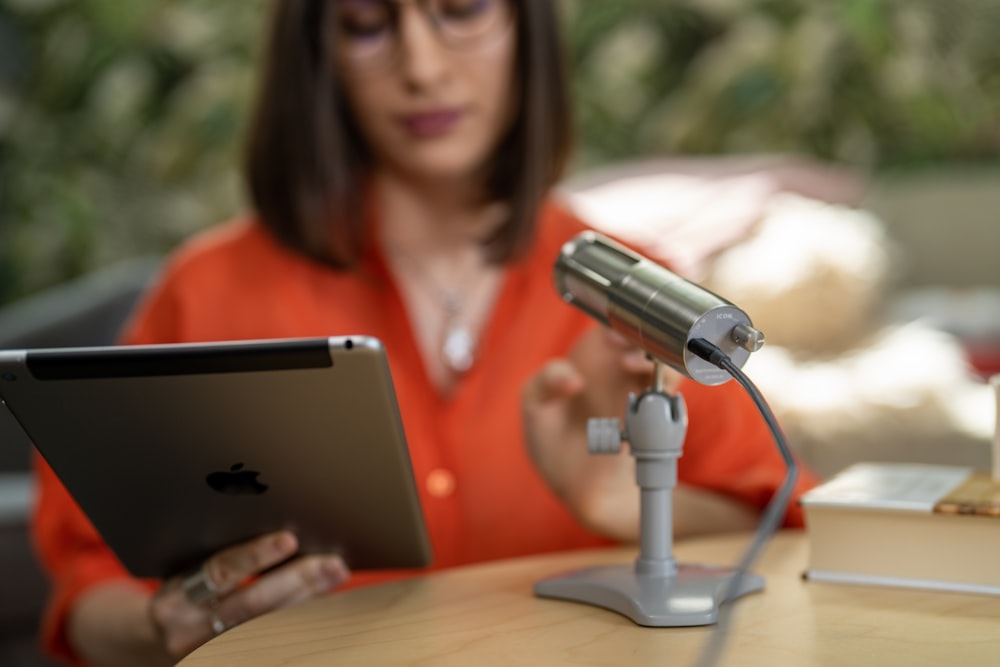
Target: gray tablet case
(175, 451)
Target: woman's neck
(431, 219)
(433, 244)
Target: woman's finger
(228, 569)
(297, 581)
(557, 380)
(635, 361)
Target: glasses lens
(367, 30)
(364, 28)
(466, 22)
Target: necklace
(463, 300)
(452, 338)
(458, 345)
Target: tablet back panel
(174, 451)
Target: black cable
(773, 513)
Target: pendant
(458, 349)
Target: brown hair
(306, 161)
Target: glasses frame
(389, 52)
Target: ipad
(176, 451)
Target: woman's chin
(438, 169)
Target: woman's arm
(111, 625)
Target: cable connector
(708, 351)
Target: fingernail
(335, 571)
(568, 374)
(285, 543)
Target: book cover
(911, 525)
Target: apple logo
(236, 481)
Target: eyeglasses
(367, 31)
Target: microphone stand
(656, 590)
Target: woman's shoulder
(560, 221)
(229, 248)
(209, 280)
(233, 238)
(557, 223)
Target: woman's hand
(601, 490)
(238, 584)
(119, 622)
(595, 381)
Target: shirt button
(440, 483)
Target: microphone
(653, 307)
(708, 339)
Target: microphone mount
(656, 590)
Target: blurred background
(120, 122)
(120, 130)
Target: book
(909, 525)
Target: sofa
(88, 311)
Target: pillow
(812, 276)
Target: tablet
(176, 451)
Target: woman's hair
(306, 161)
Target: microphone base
(689, 597)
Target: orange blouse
(481, 495)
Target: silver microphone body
(653, 307)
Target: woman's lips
(429, 124)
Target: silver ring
(218, 627)
(199, 589)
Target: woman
(398, 166)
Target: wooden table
(487, 615)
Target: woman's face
(430, 83)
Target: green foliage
(118, 128)
(879, 83)
(120, 120)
